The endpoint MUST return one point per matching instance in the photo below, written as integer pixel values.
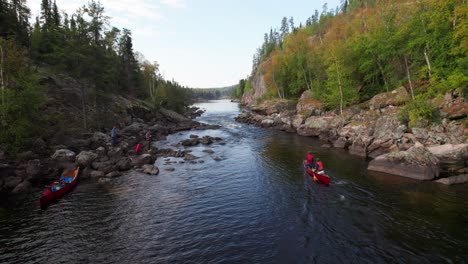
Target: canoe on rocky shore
(320, 178)
(59, 188)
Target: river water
(255, 205)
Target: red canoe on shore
(321, 178)
(59, 188)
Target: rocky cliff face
(259, 89)
(373, 129)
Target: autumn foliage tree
(368, 47)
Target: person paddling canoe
(310, 159)
(319, 168)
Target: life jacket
(310, 158)
(138, 147)
(320, 165)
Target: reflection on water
(255, 205)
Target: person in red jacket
(319, 168)
(310, 159)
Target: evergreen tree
(284, 28)
(98, 20)
(55, 15)
(291, 23)
(46, 15)
(129, 63)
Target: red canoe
(59, 188)
(321, 178)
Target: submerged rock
(454, 179)
(209, 151)
(150, 169)
(189, 157)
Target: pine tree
(98, 20)
(291, 23)
(46, 15)
(284, 28)
(55, 15)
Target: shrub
(418, 113)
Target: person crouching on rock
(114, 135)
(148, 138)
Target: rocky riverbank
(373, 130)
(95, 154)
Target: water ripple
(255, 206)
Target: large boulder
(452, 157)
(23, 187)
(134, 129)
(341, 142)
(97, 174)
(274, 106)
(267, 122)
(99, 139)
(189, 157)
(381, 146)
(174, 117)
(115, 152)
(388, 125)
(308, 105)
(64, 155)
(313, 125)
(454, 106)
(150, 169)
(143, 159)
(287, 118)
(104, 166)
(456, 111)
(34, 168)
(416, 163)
(86, 172)
(124, 164)
(359, 146)
(396, 97)
(85, 158)
(11, 182)
(190, 142)
(39, 146)
(101, 151)
(244, 117)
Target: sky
(199, 43)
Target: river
(255, 205)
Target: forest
(200, 94)
(82, 45)
(365, 47)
